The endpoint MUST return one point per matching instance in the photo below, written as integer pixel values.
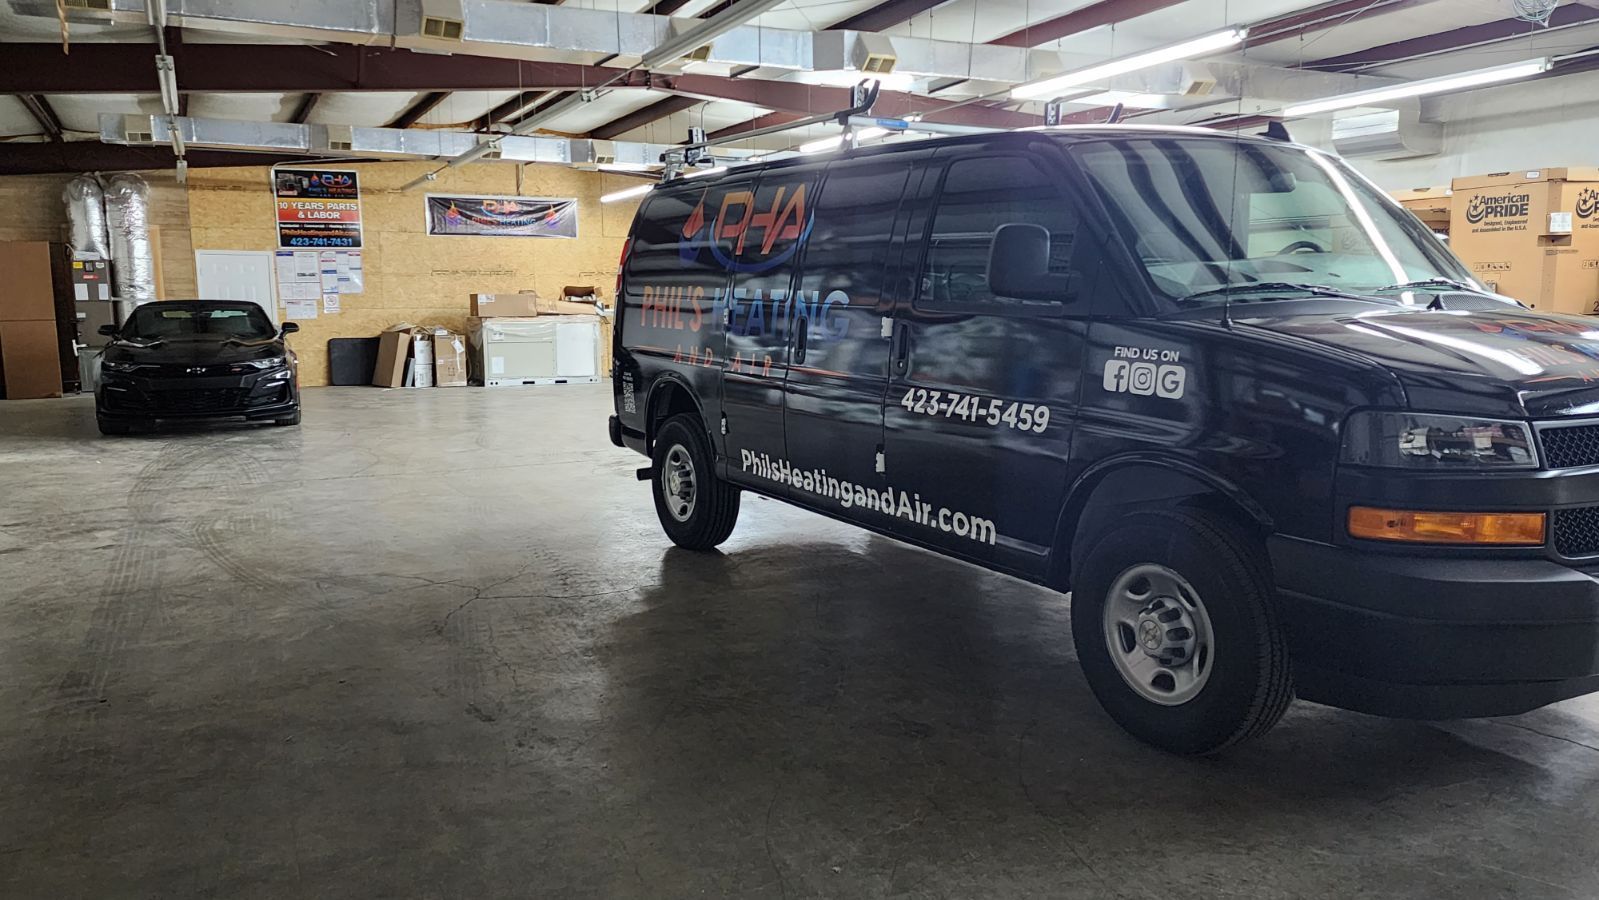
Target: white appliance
(541, 350)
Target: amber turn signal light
(1503, 529)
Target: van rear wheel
(1176, 632)
(697, 509)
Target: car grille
(166, 370)
(1570, 446)
(1576, 531)
(197, 400)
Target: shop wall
(410, 275)
(35, 212)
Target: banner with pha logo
(502, 216)
(317, 208)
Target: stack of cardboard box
(1532, 235)
(435, 357)
(1433, 206)
(30, 342)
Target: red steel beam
(92, 156)
(660, 109)
(887, 15)
(1458, 39)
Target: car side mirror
(108, 330)
(290, 327)
(1018, 265)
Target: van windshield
(1210, 218)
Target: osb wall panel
(410, 275)
(34, 211)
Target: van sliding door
(838, 373)
(757, 235)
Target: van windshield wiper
(1427, 283)
(1271, 287)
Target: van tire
(1247, 685)
(707, 517)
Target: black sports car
(197, 359)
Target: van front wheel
(697, 509)
(1176, 632)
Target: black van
(1250, 412)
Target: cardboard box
(563, 308)
(488, 305)
(394, 347)
(421, 359)
(1432, 206)
(27, 290)
(449, 359)
(1532, 235)
(30, 359)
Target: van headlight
(275, 362)
(1403, 440)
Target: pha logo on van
(741, 237)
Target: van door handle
(802, 330)
(902, 347)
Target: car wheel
(1176, 632)
(288, 420)
(697, 509)
(111, 427)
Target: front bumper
(255, 396)
(1435, 637)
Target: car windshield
(1212, 220)
(159, 322)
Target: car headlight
(275, 362)
(1405, 440)
(114, 365)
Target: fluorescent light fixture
(1200, 46)
(1421, 88)
(828, 143)
(627, 193)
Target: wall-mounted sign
(317, 208)
(502, 216)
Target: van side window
(841, 277)
(978, 196)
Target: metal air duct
(127, 200)
(1386, 134)
(85, 202)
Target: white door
(237, 275)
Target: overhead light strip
(1442, 85)
(1052, 87)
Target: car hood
(194, 350)
(1504, 362)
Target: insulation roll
(127, 201)
(86, 217)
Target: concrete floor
(433, 644)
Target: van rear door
(978, 418)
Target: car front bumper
(1436, 637)
(132, 398)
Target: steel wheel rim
(1158, 634)
(678, 486)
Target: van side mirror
(108, 330)
(1018, 265)
(290, 327)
